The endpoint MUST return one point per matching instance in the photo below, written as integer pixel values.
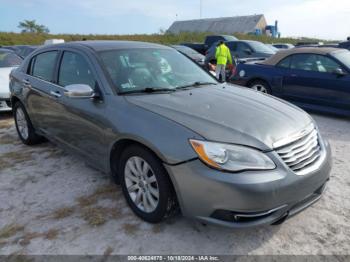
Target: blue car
(315, 79)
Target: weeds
(130, 229)
(63, 212)
(167, 38)
(7, 159)
(10, 230)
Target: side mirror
(339, 72)
(79, 91)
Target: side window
(325, 64)
(242, 47)
(306, 62)
(43, 65)
(285, 63)
(232, 46)
(74, 69)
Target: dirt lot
(52, 203)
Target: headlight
(231, 157)
(242, 73)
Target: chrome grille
(302, 152)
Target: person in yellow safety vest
(222, 55)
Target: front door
(312, 79)
(82, 120)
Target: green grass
(37, 39)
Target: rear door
(39, 85)
(312, 80)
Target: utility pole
(200, 8)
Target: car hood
(229, 114)
(197, 57)
(265, 55)
(4, 79)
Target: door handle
(294, 75)
(55, 94)
(26, 83)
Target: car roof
(104, 45)
(243, 41)
(273, 60)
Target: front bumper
(5, 102)
(249, 198)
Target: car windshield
(230, 38)
(344, 57)
(8, 59)
(261, 48)
(138, 69)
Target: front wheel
(146, 184)
(24, 126)
(260, 86)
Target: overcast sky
(327, 19)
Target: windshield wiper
(149, 90)
(196, 84)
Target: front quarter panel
(272, 75)
(167, 139)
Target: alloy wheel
(22, 123)
(141, 184)
(260, 88)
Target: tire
(260, 86)
(141, 190)
(24, 127)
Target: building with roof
(255, 24)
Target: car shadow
(5, 115)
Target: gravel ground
(52, 203)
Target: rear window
(43, 65)
(8, 59)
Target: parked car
(275, 49)
(192, 54)
(208, 42)
(308, 44)
(170, 134)
(242, 49)
(313, 78)
(53, 41)
(8, 61)
(22, 50)
(345, 45)
(283, 46)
